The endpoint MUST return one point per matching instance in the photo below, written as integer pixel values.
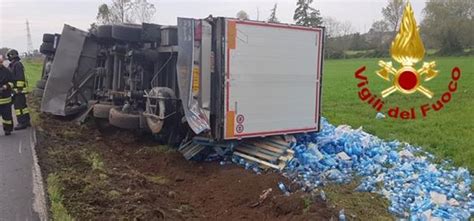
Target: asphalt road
(21, 192)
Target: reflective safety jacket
(5, 86)
(18, 76)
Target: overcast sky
(50, 15)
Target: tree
(305, 15)
(121, 11)
(380, 26)
(126, 11)
(273, 18)
(448, 25)
(358, 42)
(143, 10)
(379, 36)
(346, 30)
(332, 27)
(104, 16)
(338, 38)
(392, 13)
(242, 15)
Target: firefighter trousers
(21, 109)
(7, 119)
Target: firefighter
(19, 90)
(6, 98)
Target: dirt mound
(120, 175)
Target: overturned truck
(215, 82)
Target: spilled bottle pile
(416, 187)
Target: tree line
(447, 26)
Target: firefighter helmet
(12, 54)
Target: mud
(119, 175)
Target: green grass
(33, 70)
(448, 133)
(95, 161)
(358, 205)
(160, 180)
(58, 211)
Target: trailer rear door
(273, 79)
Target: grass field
(448, 133)
(33, 71)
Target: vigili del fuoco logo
(407, 50)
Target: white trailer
(272, 79)
(265, 77)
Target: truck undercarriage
(175, 81)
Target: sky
(49, 16)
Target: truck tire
(151, 33)
(48, 38)
(104, 31)
(102, 110)
(47, 48)
(123, 120)
(38, 92)
(41, 84)
(127, 33)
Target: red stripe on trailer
(318, 76)
(278, 132)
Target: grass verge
(358, 205)
(58, 211)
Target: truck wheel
(151, 33)
(48, 38)
(156, 116)
(38, 92)
(123, 120)
(127, 33)
(47, 48)
(104, 31)
(102, 110)
(41, 84)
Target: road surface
(21, 192)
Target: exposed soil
(120, 175)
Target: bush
(335, 54)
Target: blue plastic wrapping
(416, 187)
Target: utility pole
(29, 42)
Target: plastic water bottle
(323, 195)
(283, 188)
(342, 216)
